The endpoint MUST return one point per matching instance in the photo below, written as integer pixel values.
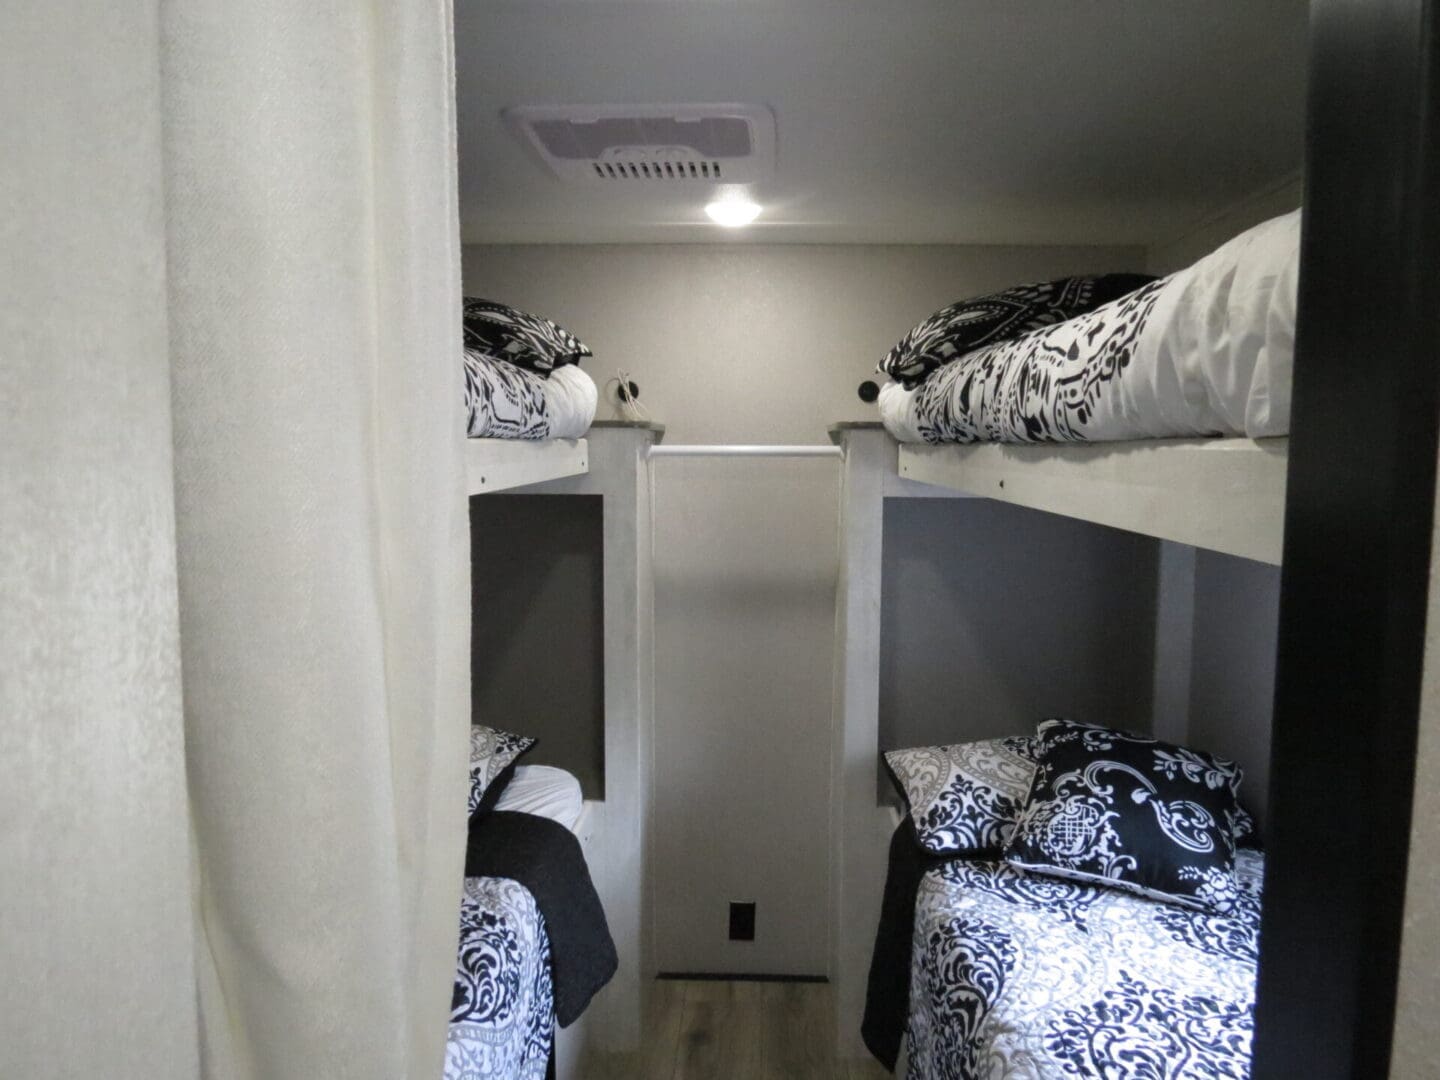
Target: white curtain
(230, 460)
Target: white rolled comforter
(503, 401)
(1208, 350)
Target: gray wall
(748, 343)
(537, 638)
(1205, 236)
(994, 617)
(1232, 678)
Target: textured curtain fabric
(231, 459)
(95, 945)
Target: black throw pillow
(1133, 812)
(972, 324)
(502, 332)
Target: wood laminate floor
(716, 1030)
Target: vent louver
(612, 144)
(618, 168)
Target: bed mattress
(1022, 977)
(502, 1016)
(503, 401)
(545, 791)
(1208, 350)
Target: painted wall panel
(994, 617)
(1232, 684)
(537, 637)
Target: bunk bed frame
(1358, 531)
(493, 465)
(1348, 517)
(614, 463)
(1220, 494)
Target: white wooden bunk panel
(497, 464)
(1224, 495)
(615, 830)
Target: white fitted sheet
(545, 791)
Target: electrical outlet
(742, 922)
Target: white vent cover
(615, 144)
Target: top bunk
(528, 403)
(1156, 405)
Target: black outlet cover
(742, 922)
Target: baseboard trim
(722, 976)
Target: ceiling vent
(658, 144)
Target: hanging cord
(626, 397)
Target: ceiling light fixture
(733, 213)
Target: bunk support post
(622, 869)
(618, 845)
(1358, 539)
(858, 828)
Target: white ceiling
(900, 121)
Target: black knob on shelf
(869, 392)
(628, 391)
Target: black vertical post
(1358, 525)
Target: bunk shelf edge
(497, 464)
(1225, 495)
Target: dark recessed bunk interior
(538, 632)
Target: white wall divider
(618, 827)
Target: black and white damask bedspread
(1208, 350)
(504, 401)
(1020, 977)
(502, 1016)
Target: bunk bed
(1165, 414)
(528, 403)
(612, 462)
(504, 1014)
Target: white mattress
(545, 791)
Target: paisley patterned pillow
(504, 333)
(972, 324)
(964, 798)
(1133, 812)
(493, 754)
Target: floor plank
(719, 1029)
(740, 1030)
(796, 1031)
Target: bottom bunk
(1084, 902)
(502, 1014)
(534, 944)
(1014, 975)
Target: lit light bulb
(733, 212)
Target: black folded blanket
(887, 993)
(545, 857)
